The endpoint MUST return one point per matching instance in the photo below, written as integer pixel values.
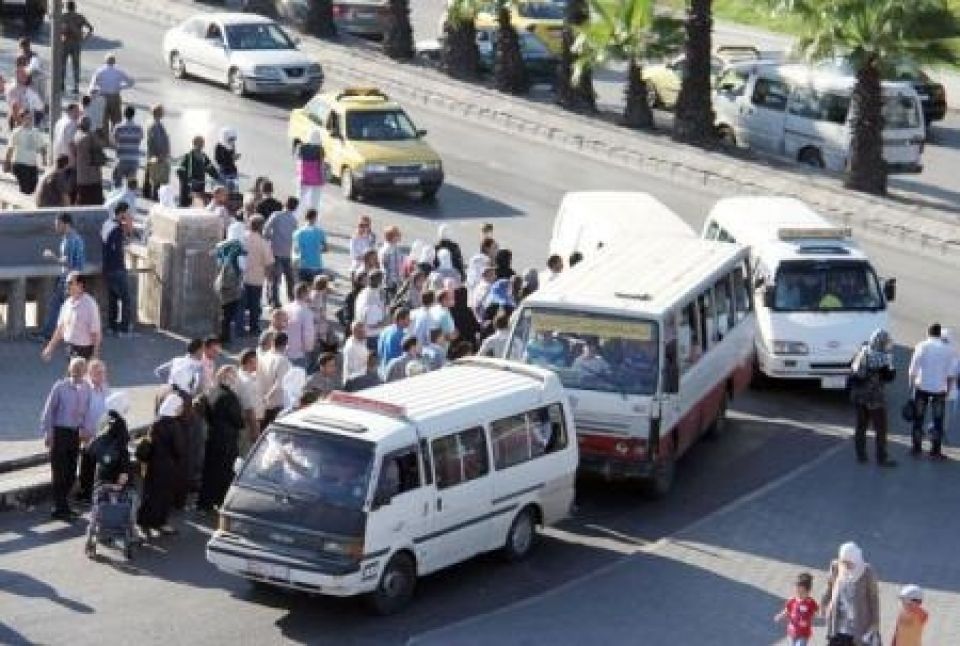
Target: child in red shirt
(799, 612)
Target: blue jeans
(118, 291)
(252, 296)
(57, 296)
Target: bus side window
(742, 294)
(399, 474)
(708, 322)
(688, 336)
(724, 306)
(460, 457)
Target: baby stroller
(112, 519)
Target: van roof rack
(367, 404)
(814, 233)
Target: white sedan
(249, 53)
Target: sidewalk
(721, 580)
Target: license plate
(835, 382)
(268, 570)
(406, 181)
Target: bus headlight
(790, 347)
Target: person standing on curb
(127, 137)
(157, 172)
(259, 265)
(871, 370)
(309, 244)
(224, 419)
(251, 399)
(79, 322)
(26, 143)
(932, 370)
(851, 601)
(114, 234)
(63, 426)
(72, 25)
(109, 81)
(90, 160)
(274, 367)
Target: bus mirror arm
(890, 289)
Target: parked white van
(804, 114)
(818, 296)
(587, 220)
(363, 494)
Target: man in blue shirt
(72, 257)
(114, 234)
(309, 243)
(390, 341)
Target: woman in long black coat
(163, 457)
(224, 421)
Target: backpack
(227, 283)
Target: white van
(587, 220)
(363, 494)
(651, 343)
(804, 114)
(819, 297)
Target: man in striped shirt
(72, 257)
(127, 137)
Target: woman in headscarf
(162, 454)
(503, 262)
(444, 241)
(444, 272)
(464, 320)
(224, 421)
(871, 370)
(852, 600)
(229, 281)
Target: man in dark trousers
(114, 234)
(72, 26)
(193, 167)
(65, 424)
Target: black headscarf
(503, 260)
(463, 318)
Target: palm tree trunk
(320, 19)
(509, 72)
(867, 170)
(694, 112)
(398, 38)
(637, 113)
(580, 97)
(461, 59)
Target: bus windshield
(312, 466)
(810, 286)
(595, 352)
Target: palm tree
(627, 30)
(398, 37)
(509, 71)
(693, 118)
(460, 56)
(320, 19)
(873, 34)
(577, 95)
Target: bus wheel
(522, 536)
(719, 425)
(396, 585)
(661, 482)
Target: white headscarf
(444, 260)
(235, 231)
(172, 406)
(851, 553)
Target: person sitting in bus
(640, 362)
(831, 299)
(790, 294)
(342, 481)
(590, 363)
(546, 350)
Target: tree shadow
(944, 136)
(24, 585)
(943, 199)
(11, 637)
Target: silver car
(366, 18)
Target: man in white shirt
(65, 131)
(355, 352)
(370, 308)
(273, 367)
(300, 327)
(932, 371)
(251, 400)
(109, 80)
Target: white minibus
(651, 339)
(362, 494)
(804, 114)
(587, 220)
(819, 297)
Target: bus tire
(397, 583)
(719, 425)
(521, 537)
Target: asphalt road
(50, 594)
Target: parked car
(540, 62)
(371, 145)
(249, 53)
(544, 18)
(367, 18)
(664, 80)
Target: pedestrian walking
(912, 618)
(99, 394)
(21, 97)
(25, 145)
(54, 187)
(192, 172)
(157, 172)
(319, 293)
(362, 241)
(851, 601)
(274, 367)
(799, 612)
(72, 258)
(63, 426)
(127, 138)
(310, 172)
(64, 137)
(480, 261)
(78, 324)
(370, 308)
(300, 333)
(871, 370)
(90, 161)
(391, 260)
(279, 231)
(115, 233)
(933, 367)
(224, 417)
(30, 61)
(226, 157)
(309, 245)
(228, 283)
(72, 26)
(162, 454)
(109, 81)
(266, 203)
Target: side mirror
(421, 133)
(768, 296)
(237, 466)
(890, 289)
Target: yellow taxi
(369, 142)
(665, 79)
(543, 18)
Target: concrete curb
(23, 462)
(932, 231)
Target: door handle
(439, 504)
